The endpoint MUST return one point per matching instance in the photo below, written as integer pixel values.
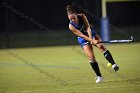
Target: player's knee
(101, 47)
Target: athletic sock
(95, 67)
(109, 57)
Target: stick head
(132, 38)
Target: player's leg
(89, 52)
(106, 53)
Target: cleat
(99, 79)
(115, 67)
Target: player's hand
(91, 43)
(95, 42)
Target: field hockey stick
(119, 41)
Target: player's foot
(99, 79)
(115, 67)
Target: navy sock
(109, 57)
(95, 67)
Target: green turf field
(66, 70)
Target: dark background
(17, 31)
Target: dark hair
(74, 8)
(70, 9)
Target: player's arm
(78, 33)
(86, 25)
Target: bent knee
(101, 47)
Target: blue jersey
(81, 26)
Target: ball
(109, 64)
